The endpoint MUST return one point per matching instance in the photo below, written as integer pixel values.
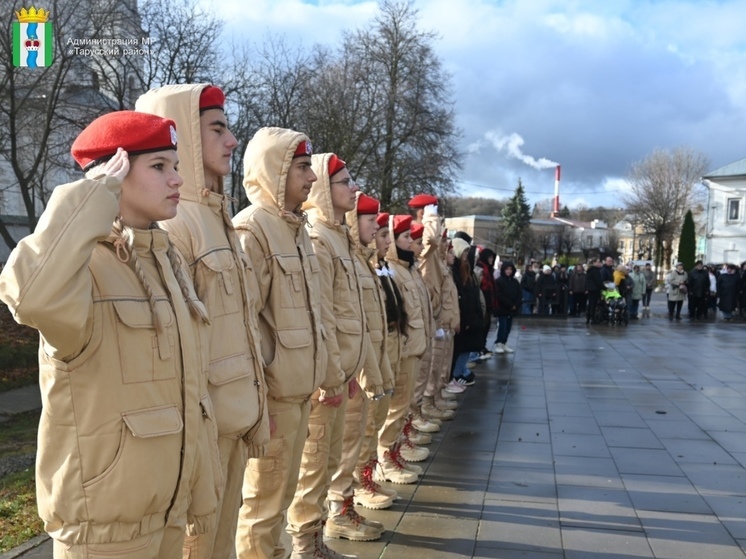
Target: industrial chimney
(556, 207)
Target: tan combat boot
(312, 546)
(370, 494)
(429, 411)
(345, 522)
(391, 469)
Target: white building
(725, 238)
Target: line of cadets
(204, 378)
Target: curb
(24, 547)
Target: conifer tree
(687, 242)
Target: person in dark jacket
(563, 283)
(509, 296)
(607, 270)
(699, 289)
(546, 290)
(593, 286)
(528, 282)
(470, 336)
(728, 284)
(485, 273)
(577, 290)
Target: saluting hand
(118, 166)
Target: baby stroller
(613, 306)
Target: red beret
(417, 230)
(402, 223)
(335, 166)
(367, 205)
(134, 132)
(422, 200)
(211, 98)
(304, 148)
(383, 219)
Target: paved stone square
(586, 443)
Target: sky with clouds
(592, 85)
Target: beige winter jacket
(414, 342)
(431, 262)
(286, 269)
(222, 274)
(450, 316)
(126, 437)
(341, 299)
(376, 376)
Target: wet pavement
(601, 442)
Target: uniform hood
(180, 103)
(319, 204)
(266, 164)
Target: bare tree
(566, 241)
(413, 147)
(183, 44)
(41, 110)
(664, 186)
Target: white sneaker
(507, 349)
(499, 348)
(454, 387)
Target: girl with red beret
(126, 437)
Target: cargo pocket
(221, 291)
(151, 439)
(145, 354)
(293, 291)
(314, 455)
(265, 474)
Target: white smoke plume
(511, 145)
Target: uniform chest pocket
(219, 285)
(145, 354)
(345, 280)
(293, 289)
(370, 295)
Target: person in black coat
(546, 290)
(728, 284)
(470, 336)
(593, 286)
(509, 296)
(699, 289)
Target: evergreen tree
(516, 222)
(564, 212)
(687, 242)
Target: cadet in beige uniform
(401, 262)
(277, 179)
(225, 283)
(126, 436)
(332, 195)
(374, 378)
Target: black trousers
(593, 297)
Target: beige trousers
(269, 483)
(221, 542)
(441, 370)
(343, 481)
(400, 401)
(321, 456)
(423, 376)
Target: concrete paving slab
(607, 477)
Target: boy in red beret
(121, 369)
(272, 231)
(204, 233)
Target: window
(734, 209)
(621, 245)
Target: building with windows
(725, 236)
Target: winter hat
(134, 132)
(546, 268)
(211, 98)
(463, 235)
(459, 246)
(422, 200)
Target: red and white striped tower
(556, 209)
